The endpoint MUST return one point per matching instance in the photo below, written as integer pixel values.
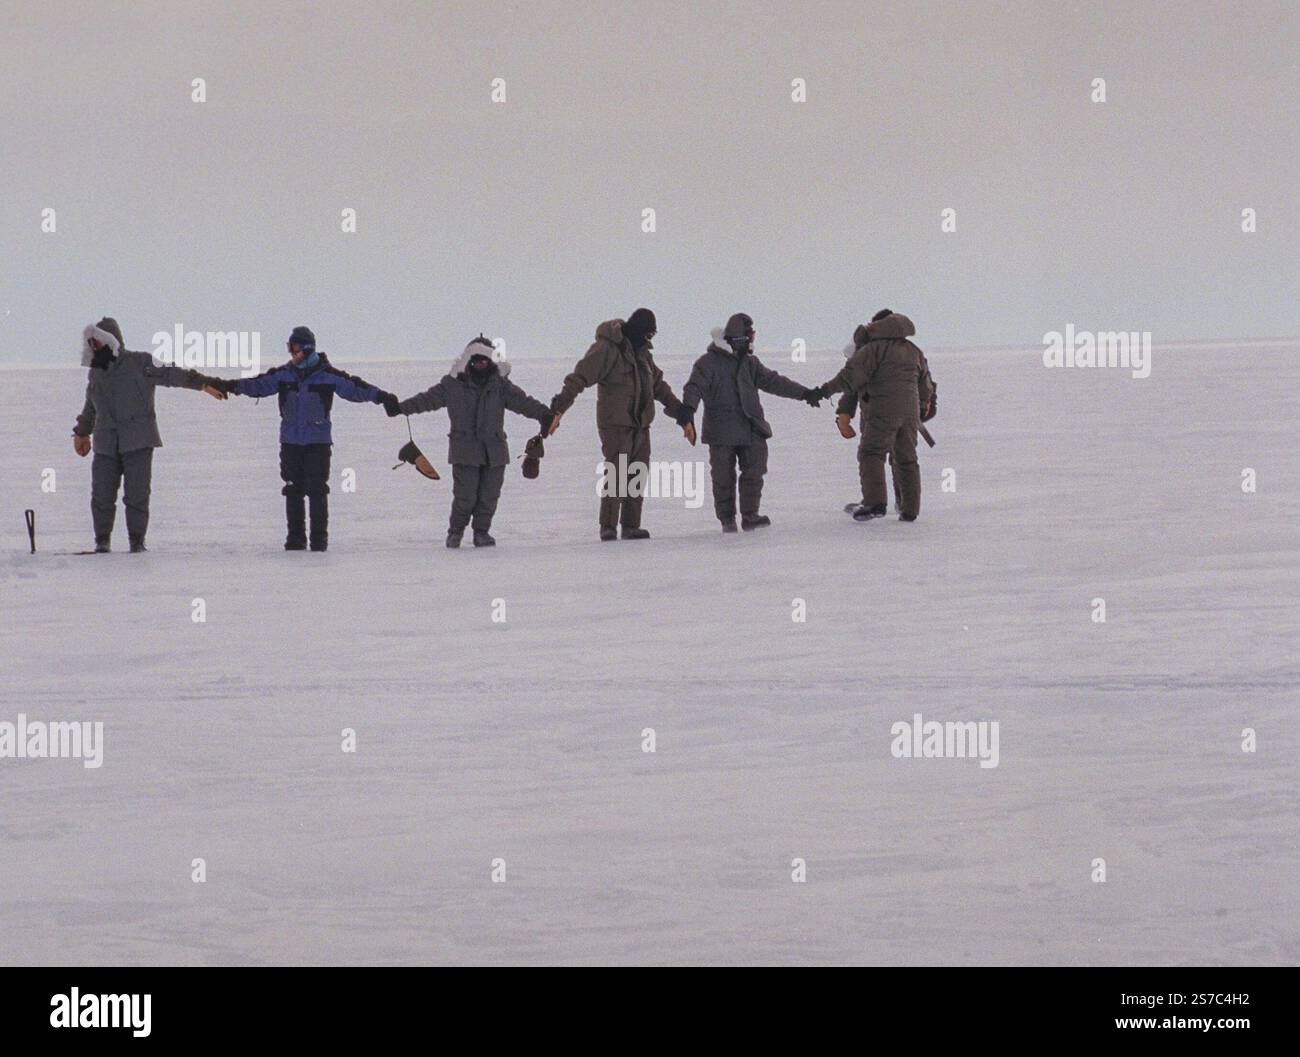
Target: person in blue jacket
(306, 387)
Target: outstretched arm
(681, 414)
(263, 384)
(522, 404)
(358, 390)
(431, 399)
(695, 389)
(588, 371)
(664, 394)
(170, 376)
(777, 384)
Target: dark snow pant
(475, 491)
(896, 438)
(135, 468)
(893, 474)
(634, 446)
(305, 470)
(723, 459)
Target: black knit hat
(640, 326)
(303, 338)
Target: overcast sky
(523, 218)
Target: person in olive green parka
(891, 378)
(620, 365)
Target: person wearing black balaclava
(477, 393)
(727, 380)
(620, 365)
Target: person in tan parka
(620, 365)
(891, 378)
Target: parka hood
(719, 343)
(476, 348)
(106, 332)
(612, 330)
(894, 326)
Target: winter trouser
(893, 466)
(135, 469)
(474, 494)
(723, 459)
(634, 446)
(305, 470)
(894, 476)
(895, 437)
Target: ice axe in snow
(925, 435)
(30, 515)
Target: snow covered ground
(522, 740)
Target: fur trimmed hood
(719, 343)
(106, 332)
(479, 348)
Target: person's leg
(105, 472)
(464, 496)
(877, 439)
(639, 444)
(722, 471)
(908, 471)
(893, 473)
(753, 465)
(316, 483)
(137, 476)
(295, 507)
(613, 443)
(490, 480)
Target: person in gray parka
(477, 393)
(118, 420)
(727, 380)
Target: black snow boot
(729, 524)
(607, 535)
(320, 542)
(635, 533)
(453, 538)
(482, 539)
(906, 517)
(749, 522)
(137, 546)
(866, 513)
(102, 546)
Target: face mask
(103, 356)
(479, 370)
